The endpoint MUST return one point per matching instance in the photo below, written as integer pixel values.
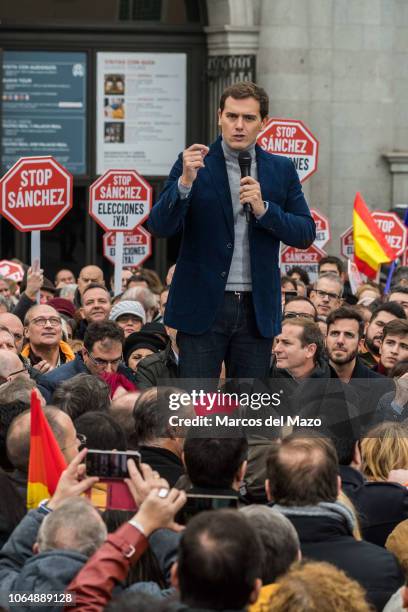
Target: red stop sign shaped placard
(291, 138)
(12, 270)
(347, 243)
(323, 234)
(120, 200)
(394, 230)
(35, 193)
(137, 247)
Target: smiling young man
(224, 298)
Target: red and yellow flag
(46, 459)
(371, 248)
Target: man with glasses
(11, 366)
(101, 355)
(326, 294)
(45, 349)
(300, 307)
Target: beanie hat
(128, 307)
(63, 306)
(142, 340)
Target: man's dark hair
(302, 471)
(399, 289)
(288, 279)
(392, 307)
(300, 298)
(101, 430)
(397, 327)
(214, 462)
(80, 394)
(400, 273)
(345, 448)
(247, 89)
(278, 537)
(346, 312)
(302, 273)
(332, 259)
(138, 277)
(151, 414)
(310, 334)
(94, 286)
(99, 332)
(219, 559)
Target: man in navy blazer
(224, 299)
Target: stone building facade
(341, 66)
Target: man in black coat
(303, 482)
(345, 330)
(160, 443)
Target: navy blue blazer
(206, 219)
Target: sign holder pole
(118, 263)
(36, 254)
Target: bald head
(18, 436)
(9, 364)
(14, 324)
(88, 275)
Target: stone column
(398, 161)
(232, 47)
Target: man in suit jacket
(224, 299)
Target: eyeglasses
(295, 315)
(79, 438)
(42, 321)
(18, 371)
(4, 380)
(323, 294)
(103, 363)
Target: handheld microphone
(244, 160)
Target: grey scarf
(336, 510)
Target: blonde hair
(397, 543)
(346, 501)
(370, 286)
(317, 587)
(384, 449)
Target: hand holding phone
(110, 464)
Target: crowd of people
(303, 518)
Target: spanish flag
(46, 459)
(371, 248)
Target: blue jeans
(233, 338)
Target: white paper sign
(141, 111)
